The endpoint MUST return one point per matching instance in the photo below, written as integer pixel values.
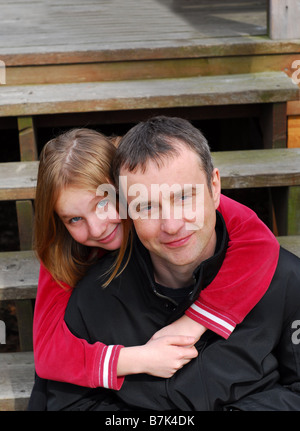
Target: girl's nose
(96, 227)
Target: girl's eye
(102, 204)
(75, 219)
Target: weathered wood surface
(265, 87)
(293, 107)
(283, 19)
(239, 169)
(18, 180)
(258, 168)
(151, 69)
(34, 31)
(19, 272)
(290, 243)
(25, 217)
(16, 380)
(189, 48)
(294, 131)
(64, 41)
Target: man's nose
(171, 225)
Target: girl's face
(90, 219)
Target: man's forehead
(162, 161)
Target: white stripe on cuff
(106, 365)
(212, 317)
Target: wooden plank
(147, 30)
(24, 313)
(239, 169)
(28, 152)
(16, 380)
(294, 193)
(80, 26)
(25, 215)
(280, 208)
(27, 139)
(294, 131)
(258, 168)
(2, 73)
(293, 211)
(18, 180)
(273, 122)
(150, 69)
(146, 50)
(18, 275)
(290, 243)
(293, 108)
(265, 87)
(283, 19)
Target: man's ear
(216, 187)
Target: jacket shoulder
(288, 262)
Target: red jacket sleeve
(253, 252)
(58, 354)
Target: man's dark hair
(154, 140)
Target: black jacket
(257, 368)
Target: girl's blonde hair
(81, 158)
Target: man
(179, 248)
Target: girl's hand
(160, 357)
(166, 355)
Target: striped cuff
(108, 368)
(211, 319)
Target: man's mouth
(178, 242)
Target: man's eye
(185, 197)
(145, 208)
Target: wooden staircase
(200, 78)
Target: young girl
(70, 237)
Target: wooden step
(18, 180)
(156, 39)
(19, 275)
(16, 380)
(258, 168)
(239, 169)
(248, 88)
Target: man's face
(174, 240)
